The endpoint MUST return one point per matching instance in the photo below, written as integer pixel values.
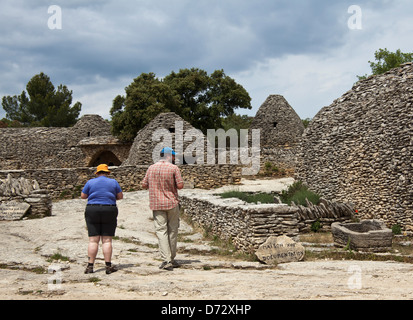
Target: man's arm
(178, 179)
(145, 183)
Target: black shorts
(101, 220)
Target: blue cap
(168, 151)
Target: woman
(101, 215)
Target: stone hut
(359, 149)
(281, 129)
(280, 125)
(82, 145)
(165, 130)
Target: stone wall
(359, 149)
(35, 148)
(249, 225)
(63, 183)
(27, 191)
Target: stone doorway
(105, 157)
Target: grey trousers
(166, 229)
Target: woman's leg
(107, 248)
(93, 247)
(107, 254)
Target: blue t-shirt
(102, 190)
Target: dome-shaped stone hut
(359, 149)
(165, 126)
(279, 123)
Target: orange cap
(102, 167)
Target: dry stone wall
(359, 149)
(27, 148)
(20, 190)
(247, 226)
(62, 183)
(250, 225)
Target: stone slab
(280, 250)
(13, 210)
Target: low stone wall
(326, 213)
(68, 183)
(26, 191)
(249, 225)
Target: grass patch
(249, 198)
(337, 254)
(298, 193)
(57, 256)
(36, 270)
(94, 279)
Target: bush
(396, 229)
(316, 226)
(298, 192)
(250, 198)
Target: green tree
(237, 122)
(387, 60)
(146, 97)
(201, 99)
(42, 105)
(207, 99)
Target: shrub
(396, 229)
(298, 192)
(250, 198)
(316, 226)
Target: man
(163, 179)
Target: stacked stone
(359, 149)
(35, 148)
(250, 225)
(28, 191)
(145, 143)
(10, 187)
(61, 183)
(327, 213)
(31, 147)
(40, 204)
(279, 123)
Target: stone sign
(13, 210)
(280, 250)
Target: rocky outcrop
(359, 149)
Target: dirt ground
(45, 259)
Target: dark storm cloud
(112, 38)
(118, 40)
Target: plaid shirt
(163, 180)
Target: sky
(309, 51)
